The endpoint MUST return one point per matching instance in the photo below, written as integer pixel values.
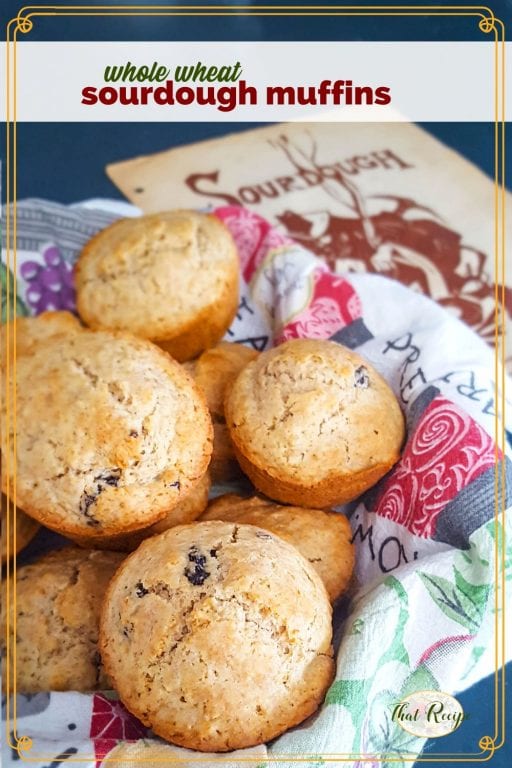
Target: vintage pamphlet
(386, 198)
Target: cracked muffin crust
(111, 434)
(188, 509)
(170, 277)
(214, 372)
(33, 331)
(26, 529)
(313, 423)
(217, 636)
(323, 538)
(58, 601)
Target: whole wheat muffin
(33, 331)
(154, 753)
(170, 277)
(26, 529)
(58, 601)
(111, 434)
(313, 423)
(323, 538)
(217, 636)
(214, 372)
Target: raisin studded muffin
(313, 423)
(58, 601)
(214, 372)
(217, 636)
(170, 277)
(323, 538)
(111, 434)
(187, 510)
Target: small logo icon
(428, 714)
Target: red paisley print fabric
(334, 304)
(253, 235)
(447, 451)
(111, 720)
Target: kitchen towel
(422, 614)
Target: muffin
(111, 434)
(187, 510)
(170, 277)
(26, 529)
(313, 424)
(58, 602)
(154, 753)
(217, 636)
(214, 372)
(32, 331)
(323, 538)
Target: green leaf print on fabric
(345, 692)
(6, 276)
(473, 596)
(357, 627)
(459, 600)
(353, 694)
(420, 679)
(495, 530)
(390, 739)
(397, 650)
(444, 595)
(383, 736)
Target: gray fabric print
(28, 704)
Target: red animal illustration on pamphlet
(394, 236)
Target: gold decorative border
(487, 23)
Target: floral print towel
(422, 615)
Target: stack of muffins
(216, 631)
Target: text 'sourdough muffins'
(170, 277)
(58, 602)
(111, 434)
(217, 635)
(313, 423)
(323, 538)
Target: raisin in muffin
(187, 510)
(323, 538)
(217, 636)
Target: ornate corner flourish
(487, 744)
(23, 745)
(487, 24)
(23, 23)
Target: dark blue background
(65, 162)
